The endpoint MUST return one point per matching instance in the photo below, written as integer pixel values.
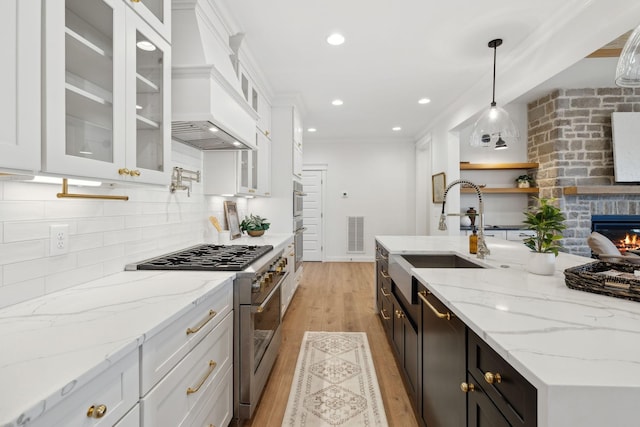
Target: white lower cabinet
(289, 285)
(131, 419)
(101, 402)
(164, 350)
(217, 409)
(181, 395)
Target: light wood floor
(334, 297)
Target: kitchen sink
(440, 261)
(400, 269)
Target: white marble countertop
(580, 350)
(69, 337)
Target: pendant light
(494, 127)
(628, 69)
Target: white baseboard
(354, 258)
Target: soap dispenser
(473, 242)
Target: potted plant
(547, 221)
(254, 225)
(524, 181)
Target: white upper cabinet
(241, 173)
(258, 102)
(157, 13)
(107, 88)
(20, 85)
(264, 165)
(297, 129)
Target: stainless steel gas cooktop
(206, 257)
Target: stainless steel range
(256, 301)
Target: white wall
(104, 235)
(379, 179)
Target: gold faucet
(483, 250)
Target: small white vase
(542, 263)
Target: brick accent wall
(569, 135)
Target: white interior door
(312, 182)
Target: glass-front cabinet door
(93, 95)
(148, 112)
(84, 87)
(157, 13)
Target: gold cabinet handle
(135, 1)
(135, 172)
(491, 378)
(384, 315)
(212, 366)
(96, 411)
(399, 314)
(384, 274)
(467, 387)
(210, 316)
(384, 292)
(423, 296)
(123, 171)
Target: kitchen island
(57, 346)
(581, 351)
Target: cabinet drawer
(164, 350)
(179, 396)
(116, 388)
(512, 394)
(218, 408)
(519, 235)
(132, 419)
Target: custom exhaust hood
(209, 111)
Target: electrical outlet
(59, 239)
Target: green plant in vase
(547, 222)
(254, 225)
(524, 181)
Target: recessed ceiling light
(396, 128)
(424, 101)
(236, 143)
(311, 130)
(337, 102)
(213, 129)
(335, 39)
(146, 45)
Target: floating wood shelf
(601, 189)
(498, 190)
(496, 166)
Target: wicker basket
(621, 283)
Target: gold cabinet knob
(124, 171)
(399, 314)
(96, 411)
(135, 172)
(467, 387)
(491, 378)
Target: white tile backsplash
(104, 235)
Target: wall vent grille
(355, 231)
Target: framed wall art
(231, 214)
(438, 186)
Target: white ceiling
(396, 52)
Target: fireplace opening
(622, 230)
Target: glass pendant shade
(628, 70)
(494, 128)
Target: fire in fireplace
(622, 230)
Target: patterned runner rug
(335, 383)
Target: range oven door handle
(260, 308)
